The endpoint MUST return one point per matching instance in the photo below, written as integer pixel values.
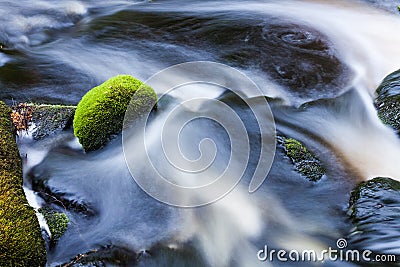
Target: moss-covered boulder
(304, 160)
(374, 210)
(100, 113)
(388, 100)
(56, 221)
(21, 242)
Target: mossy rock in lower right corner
(21, 242)
(374, 211)
(100, 113)
(372, 187)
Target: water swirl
(160, 147)
(300, 38)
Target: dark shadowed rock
(51, 119)
(375, 212)
(388, 100)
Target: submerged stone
(157, 255)
(49, 194)
(104, 256)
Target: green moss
(21, 243)
(101, 111)
(304, 160)
(296, 150)
(57, 222)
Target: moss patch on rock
(57, 222)
(50, 119)
(21, 242)
(100, 113)
(388, 100)
(304, 160)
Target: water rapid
(320, 61)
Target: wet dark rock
(388, 100)
(265, 43)
(61, 199)
(157, 255)
(162, 255)
(51, 119)
(105, 256)
(67, 201)
(375, 212)
(304, 160)
(88, 264)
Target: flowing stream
(322, 59)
